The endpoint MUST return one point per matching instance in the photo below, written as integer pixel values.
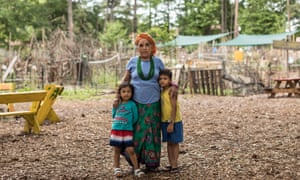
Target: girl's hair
(166, 72)
(124, 85)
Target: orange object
(238, 56)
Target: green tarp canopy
(192, 40)
(253, 40)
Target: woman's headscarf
(149, 38)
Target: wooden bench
(41, 106)
(8, 87)
(285, 85)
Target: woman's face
(144, 48)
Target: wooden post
(207, 79)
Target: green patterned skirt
(147, 135)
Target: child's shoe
(118, 172)
(138, 173)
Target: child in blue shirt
(124, 116)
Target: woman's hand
(116, 101)
(170, 127)
(173, 91)
(126, 77)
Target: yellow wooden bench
(8, 87)
(41, 106)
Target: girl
(124, 115)
(171, 123)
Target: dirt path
(225, 138)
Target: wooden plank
(284, 90)
(46, 107)
(212, 80)
(190, 82)
(16, 113)
(216, 82)
(198, 81)
(221, 82)
(7, 86)
(287, 79)
(207, 80)
(193, 76)
(202, 81)
(286, 45)
(19, 97)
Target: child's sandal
(167, 168)
(138, 173)
(118, 172)
(174, 170)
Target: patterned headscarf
(149, 38)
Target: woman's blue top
(145, 91)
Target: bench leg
(272, 95)
(10, 107)
(52, 116)
(31, 124)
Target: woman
(142, 72)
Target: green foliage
(113, 34)
(106, 77)
(161, 35)
(262, 17)
(21, 19)
(199, 16)
(79, 93)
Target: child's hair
(124, 85)
(166, 72)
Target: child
(171, 123)
(124, 115)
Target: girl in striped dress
(125, 115)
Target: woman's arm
(127, 76)
(173, 100)
(173, 92)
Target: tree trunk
(134, 19)
(236, 12)
(70, 20)
(223, 16)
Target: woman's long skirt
(147, 135)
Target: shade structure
(192, 40)
(254, 40)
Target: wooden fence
(200, 81)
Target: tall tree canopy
(20, 19)
(262, 17)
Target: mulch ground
(225, 138)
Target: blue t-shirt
(125, 116)
(145, 91)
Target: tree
(236, 19)
(200, 17)
(262, 17)
(113, 35)
(295, 14)
(70, 20)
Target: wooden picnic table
(285, 85)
